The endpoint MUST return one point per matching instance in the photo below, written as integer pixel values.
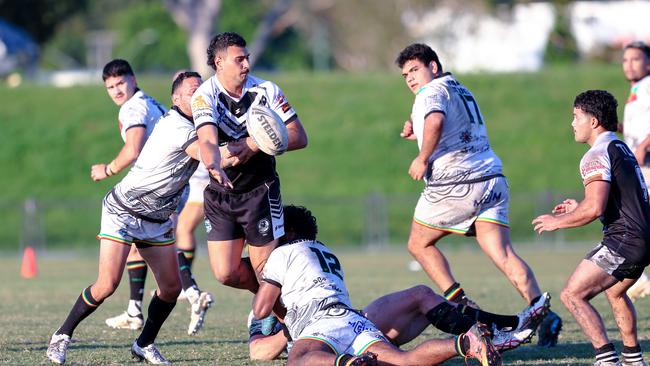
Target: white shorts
(122, 227)
(198, 182)
(343, 330)
(455, 208)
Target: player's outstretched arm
(588, 210)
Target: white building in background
(471, 40)
(609, 23)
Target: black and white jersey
(626, 220)
(211, 104)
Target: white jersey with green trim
(153, 187)
(463, 152)
(311, 279)
(636, 119)
(140, 110)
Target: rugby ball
(267, 129)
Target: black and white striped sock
(607, 354)
(632, 354)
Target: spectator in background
(636, 125)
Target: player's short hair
(299, 223)
(178, 81)
(600, 104)
(418, 51)
(117, 67)
(639, 45)
(221, 42)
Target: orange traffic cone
(28, 268)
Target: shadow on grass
(563, 352)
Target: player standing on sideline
(466, 192)
(137, 117)
(616, 193)
(250, 210)
(137, 211)
(636, 125)
(325, 328)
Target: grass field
(33, 309)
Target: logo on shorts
(169, 234)
(208, 226)
(263, 226)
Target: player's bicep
(596, 195)
(135, 138)
(192, 149)
(433, 121)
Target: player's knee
(104, 289)
(422, 292)
(414, 247)
(227, 278)
(169, 292)
(567, 297)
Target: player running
(138, 210)
(465, 190)
(616, 193)
(136, 119)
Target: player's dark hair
(299, 223)
(418, 51)
(600, 104)
(639, 45)
(117, 67)
(221, 42)
(181, 77)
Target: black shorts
(256, 215)
(613, 263)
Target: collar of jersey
(605, 135)
(300, 241)
(247, 86)
(429, 83)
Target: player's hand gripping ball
(267, 129)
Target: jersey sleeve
(435, 99)
(186, 135)
(132, 115)
(280, 105)
(275, 268)
(595, 166)
(204, 106)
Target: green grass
(52, 136)
(33, 309)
